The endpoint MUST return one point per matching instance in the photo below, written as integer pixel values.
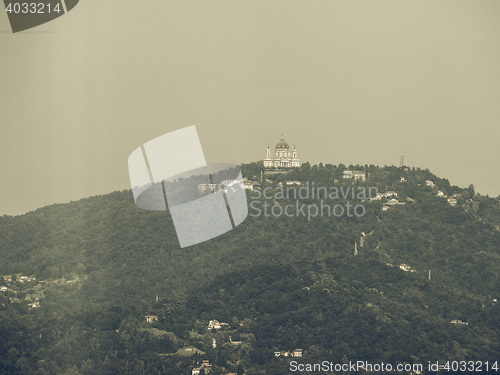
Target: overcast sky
(346, 81)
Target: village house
(296, 353)
(393, 202)
(215, 324)
(202, 188)
(388, 194)
(458, 321)
(26, 279)
(151, 318)
(406, 268)
(249, 185)
(429, 183)
(452, 201)
(356, 175)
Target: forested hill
(415, 278)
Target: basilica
(283, 158)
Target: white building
(151, 318)
(202, 188)
(406, 268)
(356, 175)
(214, 324)
(458, 321)
(283, 158)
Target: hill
(79, 279)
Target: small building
(151, 318)
(3, 288)
(458, 321)
(235, 342)
(405, 267)
(196, 371)
(298, 183)
(452, 201)
(429, 183)
(249, 185)
(202, 188)
(297, 353)
(394, 202)
(214, 324)
(356, 175)
(388, 194)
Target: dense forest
(99, 286)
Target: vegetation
(98, 266)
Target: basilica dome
(282, 144)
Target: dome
(282, 144)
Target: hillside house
(356, 175)
(202, 188)
(215, 324)
(391, 193)
(234, 342)
(151, 318)
(458, 321)
(406, 268)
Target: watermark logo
(204, 200)
(310, 201)
(25, 14)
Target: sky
(353, 82)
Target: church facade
(283, 157)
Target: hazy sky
(346, 81)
